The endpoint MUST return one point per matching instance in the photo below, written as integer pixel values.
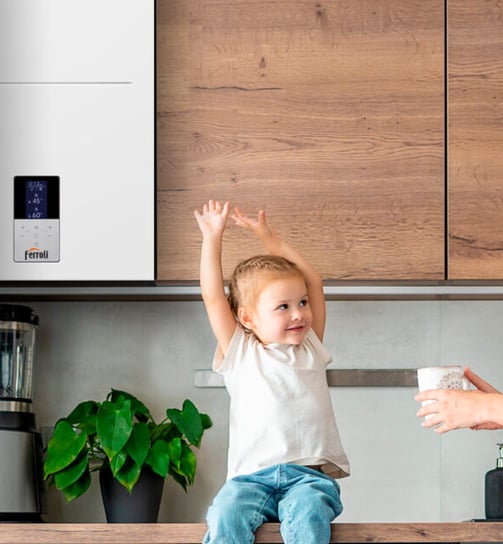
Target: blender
(21, 462)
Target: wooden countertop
(192, 533)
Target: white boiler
(77, 140)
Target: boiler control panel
(36, 219)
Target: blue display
(36, 197)
(36, 200)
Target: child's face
(282, 313)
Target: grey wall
(400, 471)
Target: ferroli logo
(36, 253)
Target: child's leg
(240, 507)
(309, 503)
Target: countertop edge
(176, 533)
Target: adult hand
(451, 409)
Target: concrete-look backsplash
(400, 471)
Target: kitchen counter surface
(192, 533)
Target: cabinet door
(475, 150)
(329, 115)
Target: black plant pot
(142, 506)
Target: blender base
(22, 494)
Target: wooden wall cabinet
(475, 140)
(329, 115)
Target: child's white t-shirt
(280, 409)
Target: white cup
(441, 377)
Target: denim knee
(308, 508)
(237, 511)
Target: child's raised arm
(277, 246)
(212, 222)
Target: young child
(284, 447)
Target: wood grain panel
(192, 533)
(327, 114)
(475, 139)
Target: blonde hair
(250, 275)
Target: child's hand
(213, 219)
(259, 226)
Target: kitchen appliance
(77, 161)
(22, 495)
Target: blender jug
(17, 343)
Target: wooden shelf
(192, 533)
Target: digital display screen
(36, 200)
(36, 197)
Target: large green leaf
(188, 464)
(179, 479)
(83, 416)
(117, 462)
(206, 421)
(114, 424)
(139, 443)
(139, 410)
(185, 472)
(188, 421)
(175, 451)
(163, 431)
(78, 488)
(158, 458)
(73, 472)
(63, 447)
(128, 475)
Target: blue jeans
(305, 501)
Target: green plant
(120, 433)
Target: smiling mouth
(296, 328)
